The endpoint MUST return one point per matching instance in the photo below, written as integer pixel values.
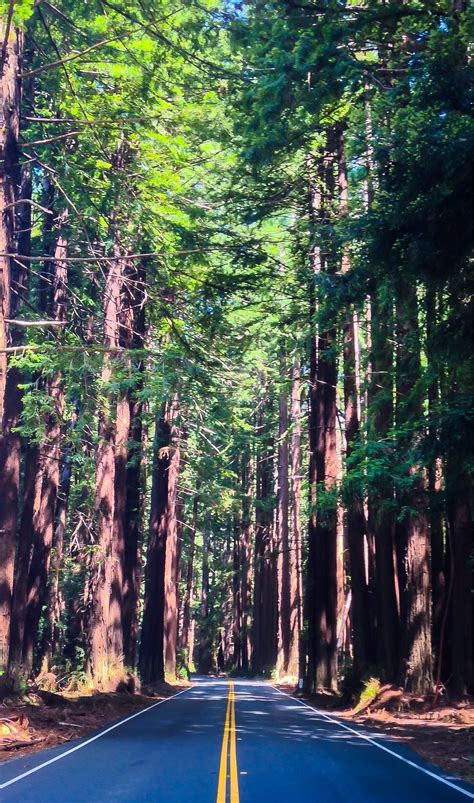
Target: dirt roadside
(443, 737)
(42, 720)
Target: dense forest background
(236, 341)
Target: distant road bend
(229, 742)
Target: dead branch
(27, 324)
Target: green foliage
(22, 11)
(371, 689)
(196, 135)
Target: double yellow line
(229, 751)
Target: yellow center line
(234, 778)
(229, 737)
(221, 789)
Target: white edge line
(380, 746)
(92, 739)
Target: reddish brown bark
(159, 611)
(225, 638)
(460, 514)
(381, 496)
(10, 458)
(10, 100)
(356, 524)
(186, 640)
(104, 631)
(171, 565)
(10, 440)
(122, 570)
(49, 466)
(323, 470)
(435, 475)
(419, 654)
(413, 534)
(246, 558)
(237, 590)
(122, 429)
(180, 524)
(205, 653)
(296, 613)
(54, 597)
(180, 528)
(322, 557)
(283, 545)
(264, 634)
(135, 476)
(438, 552)
(22, 565)
(33, 474)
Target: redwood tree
(10, 107)
(159, 626)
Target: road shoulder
(40, 721)
(443, 738)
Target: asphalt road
(220, 742)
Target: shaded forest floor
(443, 736)
(41, 719)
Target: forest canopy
(236, 380)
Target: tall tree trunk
(188, 597)
(381, 497)
(158, 639)
(284, 625)
(180, 524)
(76, 612)
(296, 618)
(135, 479)
(104, 627)
(225, 650)
(171, 566)
(152, 635)
(120, 524)
(460, 515)
(192, 630)
(136, 475)
(180, 537)
(49, 464)
(322, 558)
(10, 103)
(356, 524)
(55, 602)
(264, 647)
(415, 583)
(419, 654)
(323, 465)
(33, 474)
(121, 567)
(23, 558)
(10, 446)
(246, 557)
(205, 642)
(10, 462)
(237, 623)
(435, 473)
(10, 399)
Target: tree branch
(7, 34)
(27, 324)
(53, 64)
